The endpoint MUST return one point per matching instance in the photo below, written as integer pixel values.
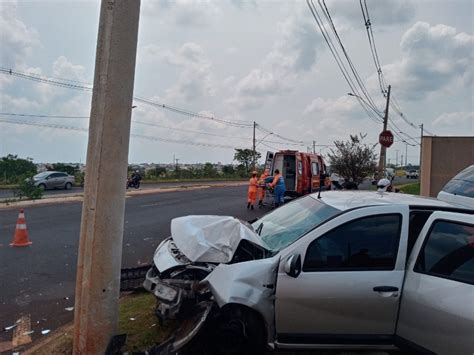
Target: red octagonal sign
(386, 138)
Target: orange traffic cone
(21, 233)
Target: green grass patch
(137, 319)
(412, 189)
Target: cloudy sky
(262, 61)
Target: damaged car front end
(210, 265)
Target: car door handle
(385, 289)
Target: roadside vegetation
(412, 189)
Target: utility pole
(314, 147)
(396, 159)
(401, 160)
(383, 150)
(421, 145)
(101, 235)
(406, 154)
(253, 149)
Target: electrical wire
(139, 136)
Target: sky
(239, 61)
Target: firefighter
(279, 189)
(261, 188)
(252, 192)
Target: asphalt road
(5, 193)
(40, 280)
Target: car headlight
(165, 293)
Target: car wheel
(236, 330)
(68, 186)
(42, 186)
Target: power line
(56, 82)
(345, 73)
(139, 136)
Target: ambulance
(303, 172)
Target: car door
(437, 308)
(350, 281)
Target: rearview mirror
(293, 265)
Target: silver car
(53, 180)
(322, 273)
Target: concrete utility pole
(314, 147)
(396, 159)
(253, 149)
(383, 150)
(100, 245)
(421, 144)
(406, 153)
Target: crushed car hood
(211, 239)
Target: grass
(143, 331)
(412, 189)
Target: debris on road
(46, 331)
(10, 327)
(69, 309)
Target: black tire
(68, 186)
(236, 330)
(42, 187)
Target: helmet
(384, 185)
(137, 171)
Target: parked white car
(322, 273)
(460, 189)
(412, 174)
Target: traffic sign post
(386, 138)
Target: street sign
(386, 139)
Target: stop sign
(386, 139)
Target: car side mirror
(293, 265)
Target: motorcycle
(132, 183)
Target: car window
(448, 252)
(62, 174)
(417, 222)
(314, 168)
(368, 243)
(460, 187)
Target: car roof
(344, 200)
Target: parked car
(53, 180)
(322, 273)
(413, 174)
(460, 189)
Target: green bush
(26, 190)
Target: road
(40, 280)
(6, 194)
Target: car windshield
(41, 175)
(290, 222)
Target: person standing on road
(279, 189)
(252, 192)
(261, 188)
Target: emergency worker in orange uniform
(261, 187)
(252, 192)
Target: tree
(209, 171)
(353, 159)
(65, 168)
(246, 158)
(14, 169)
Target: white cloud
(16, 39)
(293, 54)
(193, 13)
(195, 78)
(382, 13)
(455, 119)
(433, 58)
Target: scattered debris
(153, 325)
(66, 298)
(46, 331)
(16, 353)
(10, 327)
(28, 332)
(132, 318)
(69, 309)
